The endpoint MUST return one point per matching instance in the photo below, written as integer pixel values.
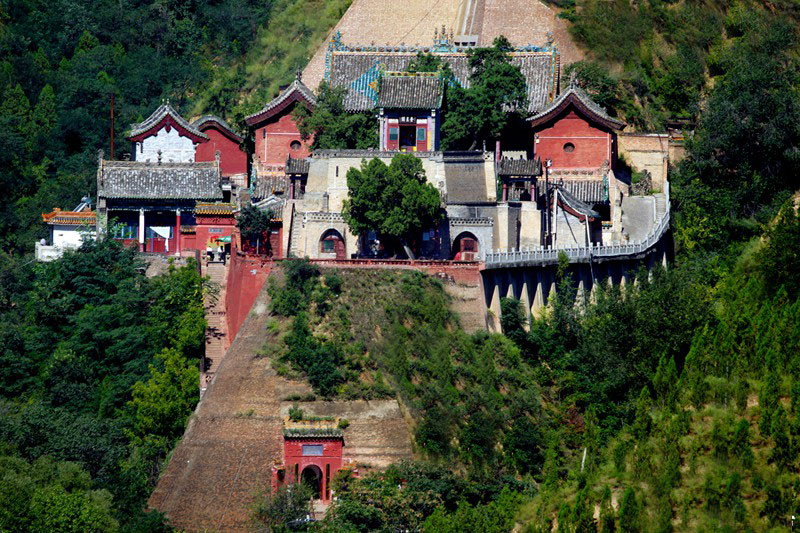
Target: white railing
(46, 252)
(542, 256)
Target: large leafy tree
(744, 155)
(394, 200)
(331, 126)
(495, 97)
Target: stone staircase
(661, 205)
(216, 332)
(296, 229)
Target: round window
(569, 147)
(295, 145)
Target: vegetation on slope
(667, 60)
(61, 62)
(98, 374)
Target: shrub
(295, 413)
(344, 423)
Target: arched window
(569, 147)
(295, 146)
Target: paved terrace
(638, 216)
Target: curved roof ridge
(163, 111)
(205, 119)
(296, 90)
(577, 96)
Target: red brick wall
(246, 277)
(232, 159)
(280, 132)
(592, 145)
(331, 455)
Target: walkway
(216, 333)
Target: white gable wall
(174, 147)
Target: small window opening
(569, 147)
(295, 145)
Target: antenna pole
(112, 126)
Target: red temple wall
(280, 131)
(295, 461)
(593, 146)
(232, 159)
(246, 277)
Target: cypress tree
(768, 398)
(564, 525)
(783, 453)
(740, 444)
(643, 423)
(629, 513)
(665, 380)
(608, 522)
(582, 519)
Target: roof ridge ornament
(298, 74)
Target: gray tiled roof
(519, 167)
(296, 91)
(313, 433)
(578, 205)
(589, 191)
(583, 101)
(213, 119)
(403, 90)
(359, 69)
(297, 166)
(466, 180)
(137, 180)
(158, 115)
(267, 184)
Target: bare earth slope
(234, 436)
(413, 23)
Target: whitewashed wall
(174, 147)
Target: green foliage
(629, 512)
(331, 126)
(274, 511)
(494, 517)
(395, 200)
(84, 331)
(253, 223)
(51, 496)
(480, 113)
(295, 413)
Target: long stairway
(297, 227)
(216, 332)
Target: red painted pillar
(505, 191)
(177, 232)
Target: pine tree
(767, 401)
(629, 513)
(783, 453)
(582, 519)
(608, 522)
(643, 423)
(665, 380)
(740, 444)
(564, 525)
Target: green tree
(608, 522)
(331, 126)
(275, 511)
(395, 200)
(162, 405)
(255, 224)
(480, 113)
(643, 422)
(581, 518)
(629, 513)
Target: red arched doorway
(331, 245)
(465, 247)
(312, 478)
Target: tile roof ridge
(162, 111)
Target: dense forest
(669, 405)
